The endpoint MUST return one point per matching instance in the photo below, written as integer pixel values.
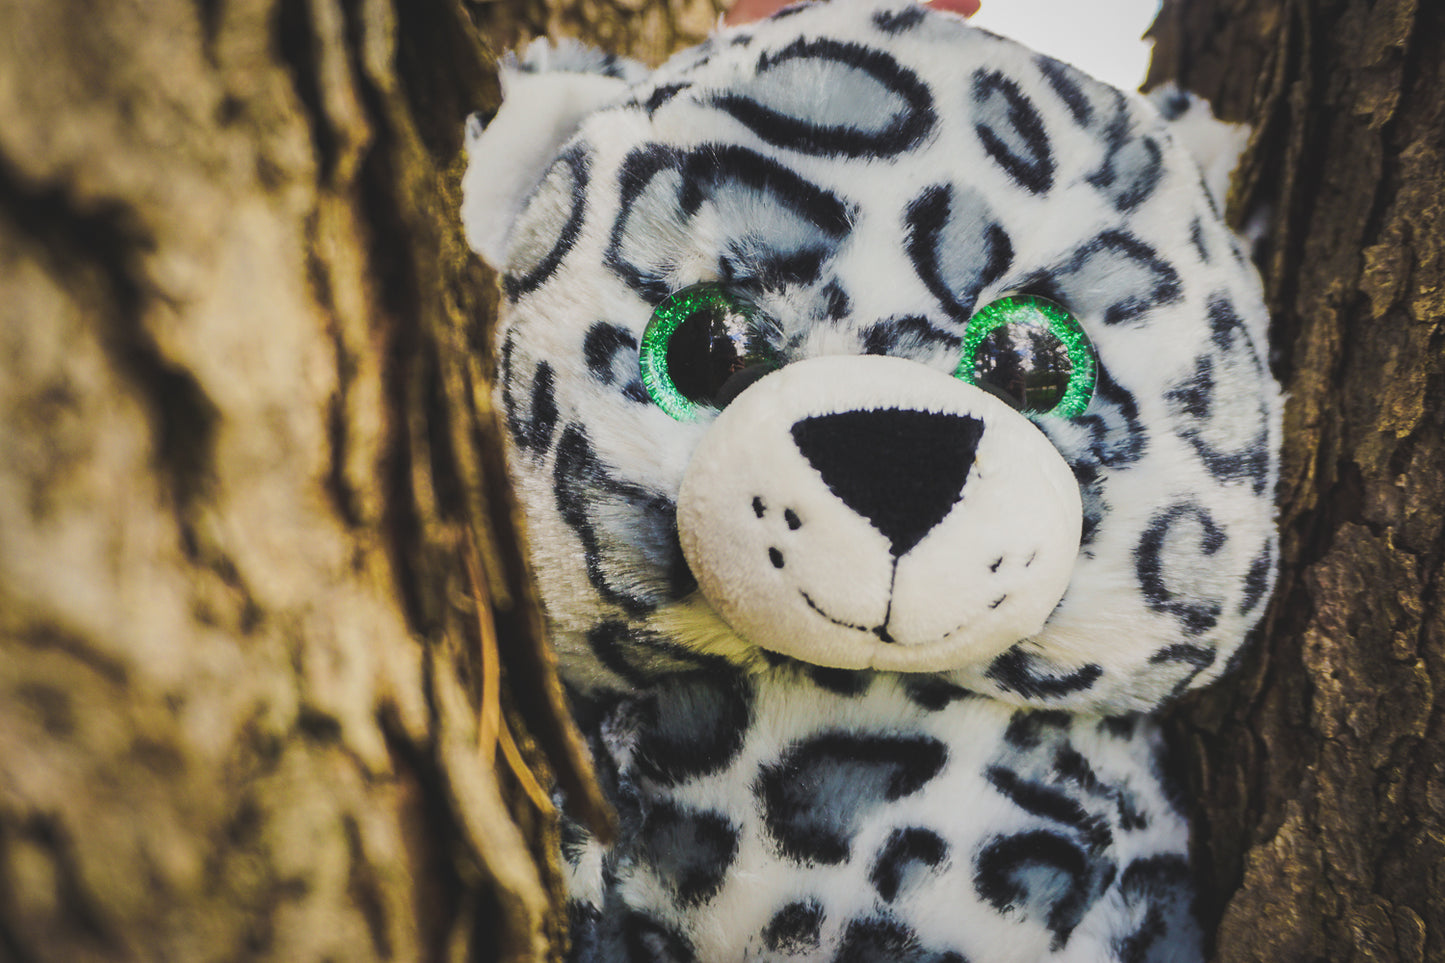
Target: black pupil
(716, 353)
(1025, 364)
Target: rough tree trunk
(1320, 769)
(251, 706)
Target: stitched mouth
(836, 621)
(881, 630)
(959, 628)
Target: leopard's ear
(1216, 145)
(507, 158)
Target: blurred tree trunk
(1320, 769)
(251, 707)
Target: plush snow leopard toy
(890, 411)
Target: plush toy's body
(889, 409)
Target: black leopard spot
(1027, 728)
(618, 933)
(611, 641)
(533, 253)
(597, 62)
(1033, 677)
(1052, 803)
(692, 726)
(600, 347)
(533, 426)
(910, 336)
(1175, 106)
(662, 95)
(898, 21)
(1012, 132)
(795, 928)
(1071, 766)
(648, 941)
(574, 841)
(690, 850)
(651, 184)
(844, 682)
(1170, 929)
(543, 409)
(1091, 497)
(611, 355)
(885, 940)
(836, 305)
(906, 852)
(1193, 402)
(613, 66)
(1132, 817)
(1227, 331)
(832, 98)
(774, 227)
(816, 794)
(1256, 580)
(1215, 214)
(1210, 416)
(1117, 436)
(1091, 278)
(789, 11)
(932, 693)
(956, 246)
(1169, 553)
(1131, 171)
(628, 532)
(1041, 875)
(1196, 237)
(1067, 83)
(643, 658)
(1194, 396)
(1197, 657)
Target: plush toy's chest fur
(864, 654)
(881, 819)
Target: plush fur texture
(865, 654)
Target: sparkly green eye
(1032, 353)
(703, 346)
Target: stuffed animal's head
(868, 339)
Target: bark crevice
(98, 247)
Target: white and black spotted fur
(871, 173)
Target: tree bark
(272, 678)
(1318, 769)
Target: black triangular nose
(902, 470)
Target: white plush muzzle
(870, 512)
